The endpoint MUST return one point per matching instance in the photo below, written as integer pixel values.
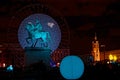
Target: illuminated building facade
(95, 49)
(2, 54)
(111, 55)
(59, 54)
(11, 54)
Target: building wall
(11, 54)
(112, 52)
(59, 54)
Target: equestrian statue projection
(36, 34)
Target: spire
(95, 36)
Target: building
(11, 54)
(95, 49)
(111, 55)
(59, 54)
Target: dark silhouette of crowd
(39, 71)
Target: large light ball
(72, 67)
(48, 25)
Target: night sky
(84, 17)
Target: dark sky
(84, 17)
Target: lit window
(0, 45)
(4, 65)
(0, 51)
(110, 57)
(115, 58)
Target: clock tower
(95, 49)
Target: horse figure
(35, 33)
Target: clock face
(48, 24)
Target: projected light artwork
(39, 30)
(71, 67)
(9, 68)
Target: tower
(95, 49)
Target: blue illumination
(48, 24)
(71, 67)
(52, 63)
(37, 34)
(10, 68)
